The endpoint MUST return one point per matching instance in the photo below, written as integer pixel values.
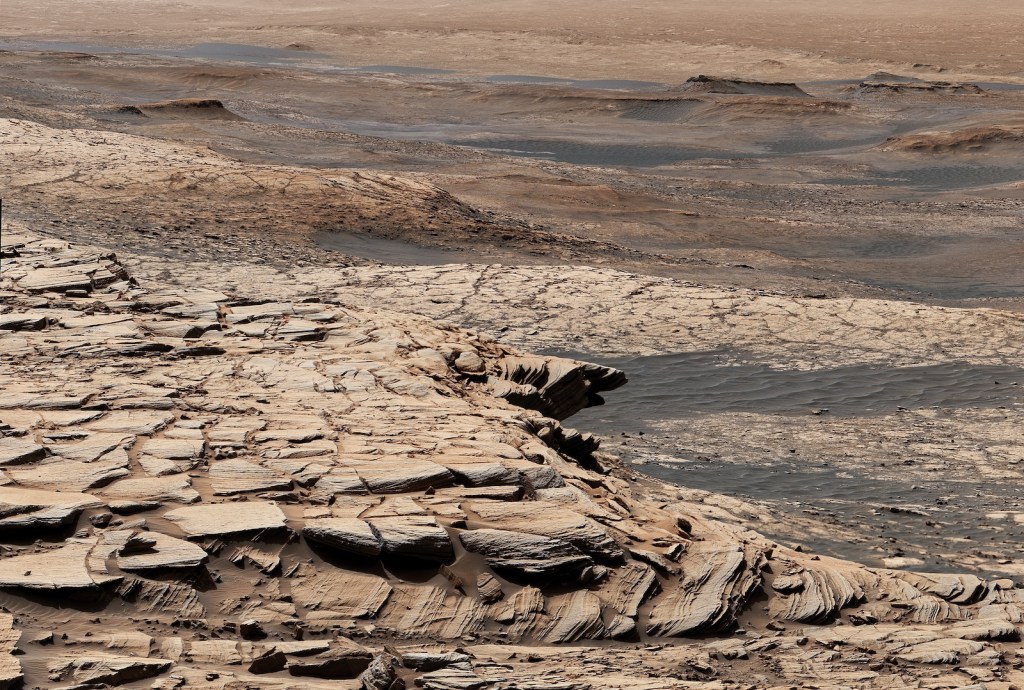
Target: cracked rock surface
(189, 463)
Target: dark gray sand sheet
(934, 517)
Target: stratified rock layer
(230, 476)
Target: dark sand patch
(595, 153)
(680, 385)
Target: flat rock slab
(74, 475)
(153, 550)
(402, 475)
(550, 520)
(173, 448)
(57, 280)
(218, 652)
(345, 660)
(149, 490)
(238, 476)
(36, 401)
(459, 677)
(27, 321)
(432, 661)
(34, 508)
(136, 422)
(74, 566)
(416, 536)
(92, 447)
(14, 451)
(527, 555)
(227, 518)
(346, 534)
(99, 669)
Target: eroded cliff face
(211, 489)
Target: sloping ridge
(968, 140)
(703, 83)
(918, 87)
(187, 108)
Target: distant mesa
(68, 56)
(705, 84)
(888, 77)
(918, 87)
(970, 140)
(182, 108)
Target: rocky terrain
(679, 350)
(226, 491)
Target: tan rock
(549, 520)
(75, 566)
(35, 509)
(153, 550)
(10, 668)
(14, 451)
(346, 659)
(347, 534)
(526, 554)
(413, 536)
(108, 669)
(227, 518)
(238, 476)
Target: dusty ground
(839, 189)
(661, 40)
(305, 229)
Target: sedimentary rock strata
(369, 486)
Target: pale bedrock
(356, 486)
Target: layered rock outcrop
(342, 479)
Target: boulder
(270, 661)
(488, 588)
(380, 674)
(251, 630)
